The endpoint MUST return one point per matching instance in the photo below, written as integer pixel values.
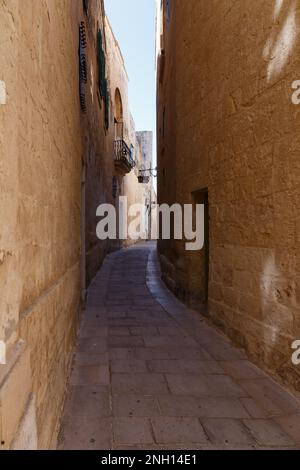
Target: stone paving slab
(222, 431)
(148, 373)
(90, 375)
(290, 425)
(88, 401)
(170, 430)
(135, 405)
(132, 431)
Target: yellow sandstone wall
(40, 171)
(237, 134)
(173, 270)
(139, 193)
(97, 153)
(118, 80)
(56, 168)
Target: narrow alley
(150, 225)
(150, 374)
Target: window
(132, 152)
(106, 104)
(114, 187)
(168, 11)
(85, 6)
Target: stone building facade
(140, 193)
(40, 229)
(57, 164)
(228, 138)
(123, 128)
(144, 146)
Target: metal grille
(82, 66)
(123, 152)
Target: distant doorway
(200, 260)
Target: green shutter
(103, 83)
(106, 104)
(101, 64)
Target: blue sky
(133, 23)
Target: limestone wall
(97, 152)
(140, 193)
(166, 141)
(56, 168)
(237, 134)
(40, 171)
(118, 80)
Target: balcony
(124, 162)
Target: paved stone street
(150, 374)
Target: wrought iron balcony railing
(123, 156)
